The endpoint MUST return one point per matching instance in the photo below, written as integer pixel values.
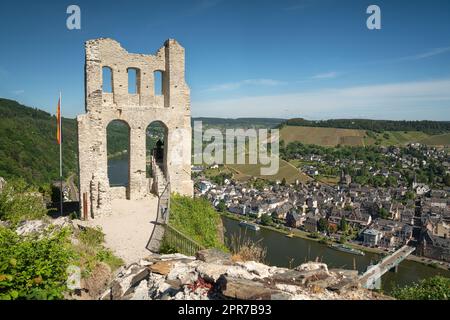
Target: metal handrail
(160, 221)
(180, 241)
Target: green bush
(19, 201)
(196, 218)
(32, 268)
(435, 288)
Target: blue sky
(294, 58)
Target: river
(118, 170)
(283, 251)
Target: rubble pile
(212, 274)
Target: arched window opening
(133, 80)
(156, 146)
(158, 83)
(118, 152)
(107, 86)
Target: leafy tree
(391, 181)
(259, 184)
(322, 225)
(435, 288)
(266, 220)
(221, 206)
(410, 195)
(343, 225)
(332, 228)
(447, 180)
(383, 213)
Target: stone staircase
(161, 187)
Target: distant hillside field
(287, 170)
(380, 126)
(330, 137)
(440, 140)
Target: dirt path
(128, 229)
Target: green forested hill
(426, 126)
(28, 146)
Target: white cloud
(423, 55)
(407, 100)
(328, 75)
(249, 82)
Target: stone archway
(118, 157)
(156, 143)
(138, 109)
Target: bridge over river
(371, 279)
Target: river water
(284, 252)
(118, 171)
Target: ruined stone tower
(137, 110)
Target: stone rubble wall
(213, 275)
(138, 111)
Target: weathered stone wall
(138, 110)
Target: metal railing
(180, 242)
(163, 208)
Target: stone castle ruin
(137, 110)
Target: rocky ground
(213, 275)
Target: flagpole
(60, 156)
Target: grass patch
(90, 251)
(196, 218)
